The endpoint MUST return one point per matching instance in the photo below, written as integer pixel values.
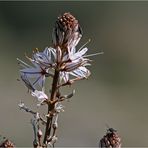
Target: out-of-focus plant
(6, 143)
(64, 64)
(111, 139)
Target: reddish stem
(51, 105)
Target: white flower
(74, 55)
(36, 73)
(46, 58)
(75, 65)
(40, 95)
(41, 61)
(80, 72)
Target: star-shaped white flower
(46, 59)
(36, 73)
(40, 95)
(41, 61)
(75, 65)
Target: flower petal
(40, 95)
(46, 58)
(22, 63)
(42, 82)
(64, 76)
(31, 72)
(81, 72)
(52, 54)
(78, 54)
(70, 66)
(59, 54)
(27, 82)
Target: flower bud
(7, 144)
(110, 140)
(67, 32)
(39, 133)
(55, 125)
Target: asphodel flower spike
(67, 32)
(63, 64)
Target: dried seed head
(7, 144)
(67, 32)
(110, 140)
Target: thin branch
(25, 108)
(35, 114)
(35, 129)
(67, 97)
(70, 82)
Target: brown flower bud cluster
(6, 144)
(110, 140)
(67, 32)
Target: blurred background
(117, 91)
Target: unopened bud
(40, 133)
(55, 125)
(67, 32)
(110, 140)
(7, 144)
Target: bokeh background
(117, 91)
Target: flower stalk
(51, 105)
(64, 64)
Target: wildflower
(67, 32)
(66, 62)
(80, 72)
(75, 62)
(37, 73)
(41, 61)
(75, 65)
(40, 95)
(46, 58)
